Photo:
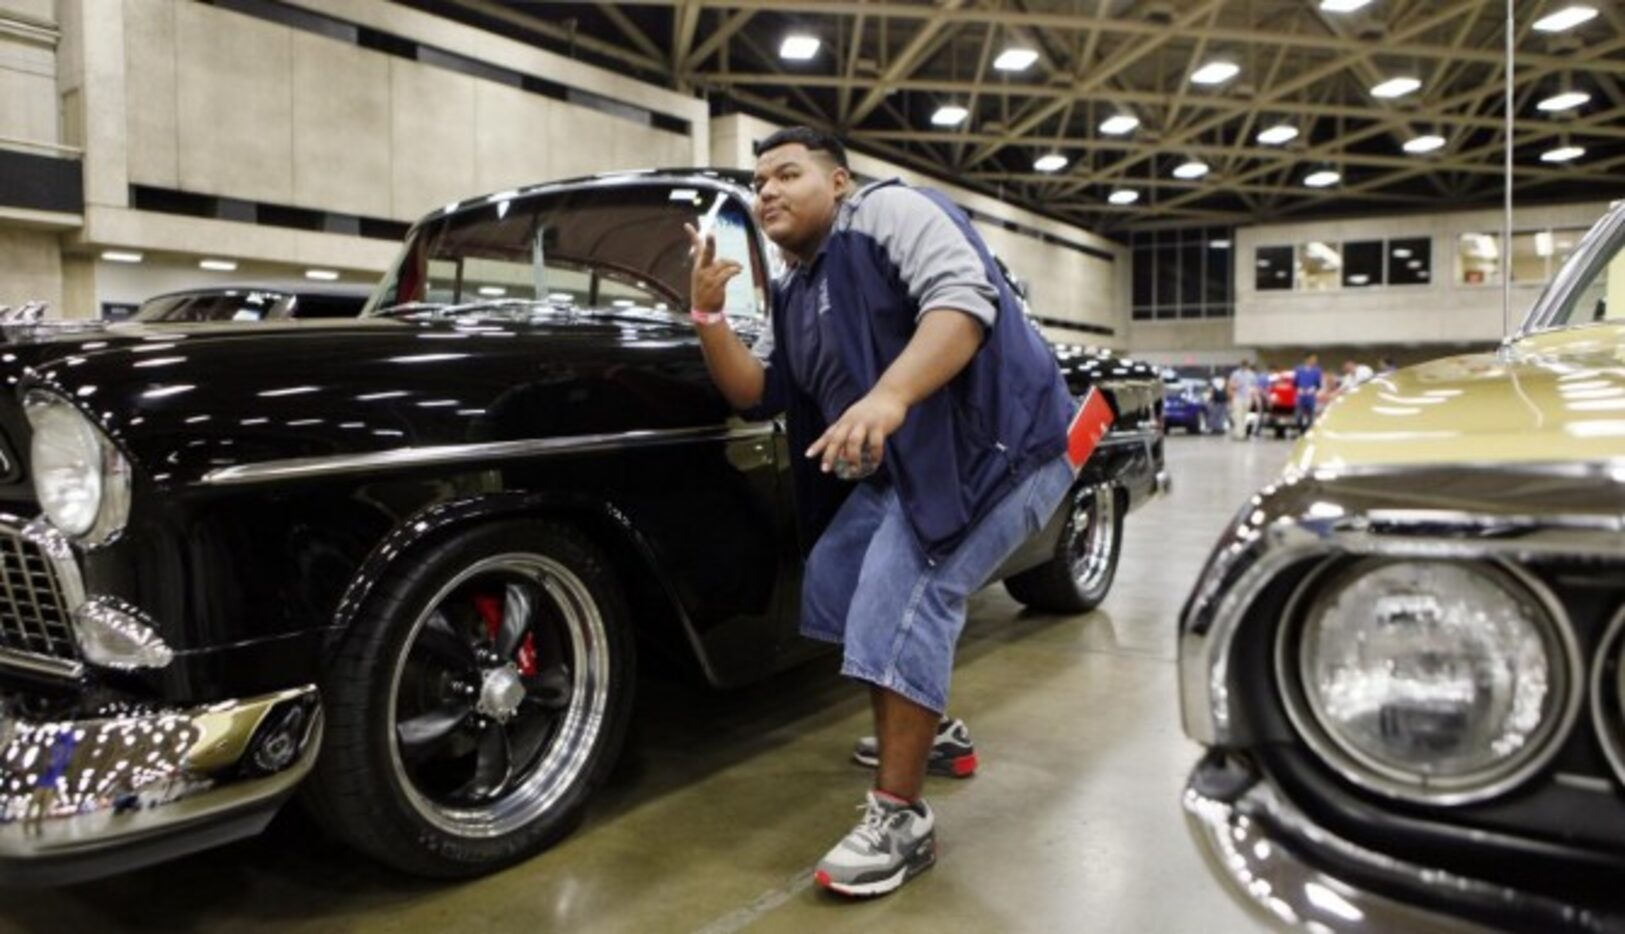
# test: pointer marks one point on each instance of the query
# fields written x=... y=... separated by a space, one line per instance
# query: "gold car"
x=1404 y=656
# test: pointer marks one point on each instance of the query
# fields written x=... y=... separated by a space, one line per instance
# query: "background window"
x=1319 y=266
x=1478 y=258
x=1410 y=261
x=1362 y=264
x=1273 y=265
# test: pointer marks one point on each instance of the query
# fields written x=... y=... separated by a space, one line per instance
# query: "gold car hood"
x=1558 y=396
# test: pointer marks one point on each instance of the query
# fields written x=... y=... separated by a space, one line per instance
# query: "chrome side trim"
x=1277 y=882
x=298 y=468
x=1410 y=512
x=126 y=775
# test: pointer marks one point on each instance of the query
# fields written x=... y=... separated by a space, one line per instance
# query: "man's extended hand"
x=861 y=432
x=709 y=285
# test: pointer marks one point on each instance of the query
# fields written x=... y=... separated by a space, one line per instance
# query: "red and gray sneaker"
x=894 y=842
x=952 y=753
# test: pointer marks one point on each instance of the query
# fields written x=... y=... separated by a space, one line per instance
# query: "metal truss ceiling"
x=885 y=67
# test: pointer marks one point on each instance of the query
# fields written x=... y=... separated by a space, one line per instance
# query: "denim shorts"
x=869 y=587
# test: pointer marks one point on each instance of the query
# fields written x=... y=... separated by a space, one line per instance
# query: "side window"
x=729 y=220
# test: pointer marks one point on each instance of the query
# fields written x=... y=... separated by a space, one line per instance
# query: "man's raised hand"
x=709 y=285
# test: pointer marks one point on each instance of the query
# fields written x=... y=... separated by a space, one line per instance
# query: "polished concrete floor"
x=724 y=801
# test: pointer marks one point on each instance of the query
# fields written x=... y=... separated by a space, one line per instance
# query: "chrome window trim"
x=1276 y=530
x=1354 y=768
x=1586 y=255
x=298 y=468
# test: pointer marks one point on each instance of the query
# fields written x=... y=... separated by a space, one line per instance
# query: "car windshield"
x=229 y=305
x=1599 y=294
x=619 y=247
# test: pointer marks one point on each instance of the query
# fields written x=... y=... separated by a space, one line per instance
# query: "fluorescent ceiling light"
x=799 y=48
x=122 y=256
x=1322 y=179
x=1215 y=73
x=949 y=115
x=1402 y=252
x=324 y=275
x=1560 y=154
x=1543 y=243
x=1054 y=162
x=1396 y=87
x=1015 y=60
x=217 y=265
x=1120 y=124
x=1123 y=196
x=1564 y=101
x=1191 y=169
x=1423 y=144
x=1218 y=244
x=493 y=291
x=1566 y=18
x=1278 y=134
x=1343 y=6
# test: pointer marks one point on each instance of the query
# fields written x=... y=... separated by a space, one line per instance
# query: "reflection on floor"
x=724 y=801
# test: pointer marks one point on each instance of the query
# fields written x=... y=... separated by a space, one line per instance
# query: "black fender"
x=601 y=519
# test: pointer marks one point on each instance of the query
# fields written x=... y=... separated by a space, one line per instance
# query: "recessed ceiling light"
x=1120 y=124
x=1566 y=18
x=1422 y=144
x=1278 y=134
x=1015 y=60
x=1343 y=6
x=949 y=115
x=799 y=48
x=217 y=265
x=1123 y=196
x=1567 y=100
x=122 y=256
x=324 y=275
x=1396 y=87
x=1191 y=169
x=1560 y=154
x=1215 y=73
x=1054 y=162
x=1322 y=179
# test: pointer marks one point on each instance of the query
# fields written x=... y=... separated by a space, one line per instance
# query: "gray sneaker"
x=892 y=844
x=953 y=755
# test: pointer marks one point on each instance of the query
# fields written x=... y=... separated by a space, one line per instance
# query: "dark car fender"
x=633 y=554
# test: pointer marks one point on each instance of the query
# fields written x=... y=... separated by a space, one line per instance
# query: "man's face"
x=796 y=195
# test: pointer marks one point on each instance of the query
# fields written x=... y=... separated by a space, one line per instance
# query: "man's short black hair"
x=814 y=140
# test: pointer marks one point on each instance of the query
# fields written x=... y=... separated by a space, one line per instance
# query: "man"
x=932 y=419
x=1307 y=379
x=1353 y=375
x=1243 y=385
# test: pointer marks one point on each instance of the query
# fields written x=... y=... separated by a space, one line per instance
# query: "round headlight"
x=81 y=478
x=1436 y=681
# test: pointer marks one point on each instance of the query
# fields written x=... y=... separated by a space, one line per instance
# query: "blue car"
x=1185 y=405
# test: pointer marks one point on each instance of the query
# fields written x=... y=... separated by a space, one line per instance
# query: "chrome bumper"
x=85 y=797
x=1257 y=844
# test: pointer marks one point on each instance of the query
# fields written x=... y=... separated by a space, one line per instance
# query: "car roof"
x=303 y=290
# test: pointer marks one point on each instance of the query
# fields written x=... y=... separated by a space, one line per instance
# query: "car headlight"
x=80 y=476
x=1434 y=681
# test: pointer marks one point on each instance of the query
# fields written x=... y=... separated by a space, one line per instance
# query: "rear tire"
x=477 y=701
x=1079 y=575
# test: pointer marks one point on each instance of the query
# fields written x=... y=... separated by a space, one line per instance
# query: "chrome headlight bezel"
x=112 y=480
x=1564 y=662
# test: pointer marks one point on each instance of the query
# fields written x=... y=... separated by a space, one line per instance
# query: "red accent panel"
x=489 y=606
x=965 y=766
x=1088 y=427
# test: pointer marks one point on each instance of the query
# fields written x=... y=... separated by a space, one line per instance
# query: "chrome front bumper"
x=122 y=788
x=1269 y=854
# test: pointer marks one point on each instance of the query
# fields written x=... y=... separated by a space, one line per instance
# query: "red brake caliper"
x=489 y=606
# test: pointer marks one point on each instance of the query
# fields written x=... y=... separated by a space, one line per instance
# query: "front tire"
x=476 y=702
x=1080 y=573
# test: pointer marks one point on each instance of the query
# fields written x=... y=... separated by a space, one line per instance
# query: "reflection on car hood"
x=1552 y=397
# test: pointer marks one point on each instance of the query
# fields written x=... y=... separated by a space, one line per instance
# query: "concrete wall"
x=28 y=49
x=1440 y=312
x=30 y=266
x=1063 y=283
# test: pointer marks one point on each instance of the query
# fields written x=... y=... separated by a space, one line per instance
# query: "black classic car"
x=406 y=564
x=1406 y=656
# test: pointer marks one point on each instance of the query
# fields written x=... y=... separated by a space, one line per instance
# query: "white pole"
x=1506 y=221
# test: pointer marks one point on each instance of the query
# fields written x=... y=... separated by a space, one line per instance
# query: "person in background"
x=1243 y=390
x=1308 y=380
x=1385 y=366
x=1354 y=374
x=1218 y=405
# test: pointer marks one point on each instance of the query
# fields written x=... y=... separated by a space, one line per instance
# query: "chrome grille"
x=34 y=620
